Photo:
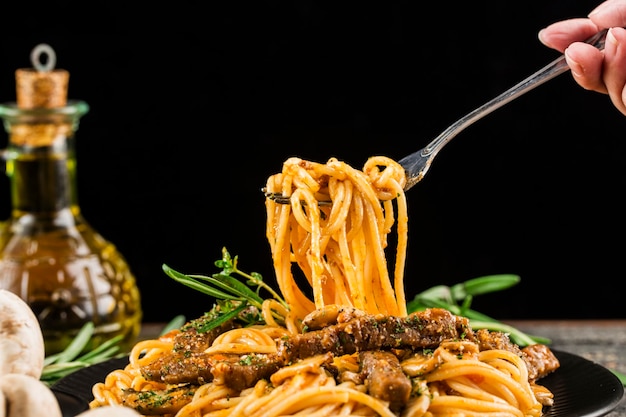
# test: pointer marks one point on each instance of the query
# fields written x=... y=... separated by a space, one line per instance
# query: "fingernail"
x=574 y=66
x=540 y=36
x=610 y=37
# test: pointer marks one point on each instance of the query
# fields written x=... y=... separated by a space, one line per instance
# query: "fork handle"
x=556 y=67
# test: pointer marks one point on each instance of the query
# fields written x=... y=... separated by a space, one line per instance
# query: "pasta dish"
x=341 y=342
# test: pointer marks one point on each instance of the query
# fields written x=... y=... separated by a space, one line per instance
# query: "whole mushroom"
x=22 y=349
x=26 y=396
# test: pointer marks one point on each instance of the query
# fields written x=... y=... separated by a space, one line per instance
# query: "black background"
x=194 y=104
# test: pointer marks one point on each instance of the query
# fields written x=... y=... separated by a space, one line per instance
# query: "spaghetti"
x=340 y=247
x=346 y=345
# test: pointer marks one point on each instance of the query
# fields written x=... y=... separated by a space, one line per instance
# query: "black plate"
x=581 y=387
x=74 y=391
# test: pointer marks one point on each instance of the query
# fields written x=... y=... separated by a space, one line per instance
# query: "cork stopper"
x=42 y=86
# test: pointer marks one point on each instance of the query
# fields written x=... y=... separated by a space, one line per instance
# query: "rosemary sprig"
x=70 y=360
x=234 y=291
x=458 y=299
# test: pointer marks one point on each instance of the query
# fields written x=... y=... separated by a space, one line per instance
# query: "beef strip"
x=158 y=402
x=540 y=360
x=193 y=340
x=180 y=368
x=488 y=340
x=187 y=363
x=384 y=378
x=243 y=371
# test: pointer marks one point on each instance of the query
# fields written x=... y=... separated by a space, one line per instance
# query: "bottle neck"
x=43 y=180
x=41 y=161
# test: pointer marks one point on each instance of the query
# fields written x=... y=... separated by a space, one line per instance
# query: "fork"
x=416 y=165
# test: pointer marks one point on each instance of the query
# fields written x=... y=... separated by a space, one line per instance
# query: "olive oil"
x=50 y=255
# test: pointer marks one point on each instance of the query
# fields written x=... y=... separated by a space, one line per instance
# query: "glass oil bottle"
x=49 y=254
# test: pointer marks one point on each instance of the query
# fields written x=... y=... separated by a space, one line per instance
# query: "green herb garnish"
x=235 y=293
x=458 y=298
x=74 y=356
x=71 y=359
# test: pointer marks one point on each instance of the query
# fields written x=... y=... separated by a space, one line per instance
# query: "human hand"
x=595 y=70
